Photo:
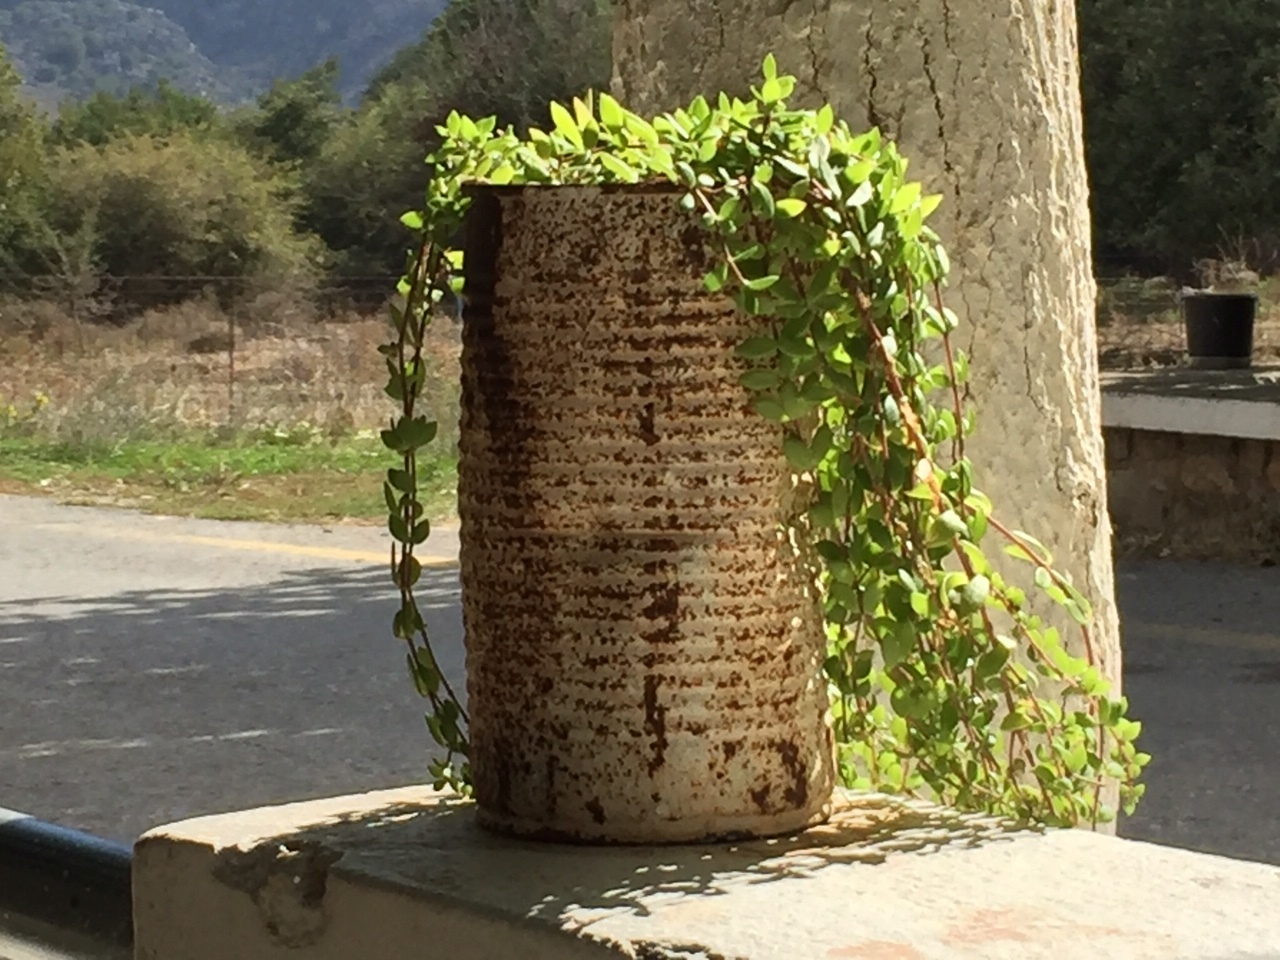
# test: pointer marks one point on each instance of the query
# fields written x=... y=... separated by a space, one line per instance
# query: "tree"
x=171 y=215
x=370 y=165
x=1182 y=111
x=295 y=118
x=19 y=130
x=983 y=96
x=158 y=112
x=21 y=168
x=505 y=58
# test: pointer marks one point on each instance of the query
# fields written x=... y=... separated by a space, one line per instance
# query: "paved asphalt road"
x=153 y=669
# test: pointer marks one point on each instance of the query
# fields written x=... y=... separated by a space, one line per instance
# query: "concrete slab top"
x=1259 y=384
x=1218 y=403
x=887 y=880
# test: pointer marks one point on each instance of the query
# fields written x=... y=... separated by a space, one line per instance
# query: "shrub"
x=170 y=216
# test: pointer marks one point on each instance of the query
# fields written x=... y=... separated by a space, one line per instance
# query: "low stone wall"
x=1194 y=495
x=407 y=874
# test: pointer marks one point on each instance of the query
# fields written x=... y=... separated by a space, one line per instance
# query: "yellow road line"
x=1267 y=642
x=1177 y=633
x=298 y=550
x=429 y=562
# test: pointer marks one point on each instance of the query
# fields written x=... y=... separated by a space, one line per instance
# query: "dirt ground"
x=1140 y=324
x=177 y=368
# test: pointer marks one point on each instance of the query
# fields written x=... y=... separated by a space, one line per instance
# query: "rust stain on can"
x=644 y=648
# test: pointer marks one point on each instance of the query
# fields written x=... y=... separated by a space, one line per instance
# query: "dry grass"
x=163 y=414
x=1139 y=324
x=105 y=408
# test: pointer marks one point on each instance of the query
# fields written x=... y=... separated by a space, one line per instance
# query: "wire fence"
x=131 y=292
x=210 y=354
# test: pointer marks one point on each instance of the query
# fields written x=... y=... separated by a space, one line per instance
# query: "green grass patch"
x=250 y=475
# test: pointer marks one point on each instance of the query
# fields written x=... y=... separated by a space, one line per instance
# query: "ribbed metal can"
x=644 y=643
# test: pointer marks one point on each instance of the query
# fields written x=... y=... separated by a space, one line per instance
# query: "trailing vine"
x=943 y=681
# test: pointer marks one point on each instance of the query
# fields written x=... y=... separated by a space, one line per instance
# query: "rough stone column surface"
x=983 y=98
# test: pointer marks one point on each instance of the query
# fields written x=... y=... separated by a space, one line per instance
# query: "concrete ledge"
x=1244 y=404
x=407 y=874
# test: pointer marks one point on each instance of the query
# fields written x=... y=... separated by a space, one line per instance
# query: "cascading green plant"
x=943 y=682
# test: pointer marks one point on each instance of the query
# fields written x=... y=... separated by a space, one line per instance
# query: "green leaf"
x=770 y=408
x=861 y=196
x=643 y=130
x=1015 y=720
x=799 y=347
x=729 y=209
x=825 y=120
x=791 y=207
x=503 y=174
x=976 y=592
x=409 y=572
x=822 y=515
x=905 y=197
x=611 y=114
x=417 y=433
x=1076 y=612
x=399 y=529
x=762 y=198
x=762 y=283
x=793 y=167
x=909 y=705
x=897 y=645
x=424 y=668
x=757 y=348
x=760 y=379
x=618 y=168
x=797 y=452
x=796 y=407
x=990 y=664
x=952 y=521
x=419 y=678
x=770 y=67
x=566 y=125
x=1076 y=758
x=413 y=220
x=1044 y=556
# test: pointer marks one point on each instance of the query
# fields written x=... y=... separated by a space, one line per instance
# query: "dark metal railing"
x=53 y=878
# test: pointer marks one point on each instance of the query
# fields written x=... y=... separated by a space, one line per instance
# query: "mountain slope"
x=63 y=48
x=227 y=49
x=272 y=38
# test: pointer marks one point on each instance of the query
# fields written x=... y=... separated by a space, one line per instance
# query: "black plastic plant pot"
x=1219 y=329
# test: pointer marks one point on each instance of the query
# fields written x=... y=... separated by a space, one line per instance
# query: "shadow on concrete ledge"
x=887 y=878
x=866 y=828
x=1260 y=384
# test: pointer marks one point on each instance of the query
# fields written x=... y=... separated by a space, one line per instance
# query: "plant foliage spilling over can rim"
x=944 y=683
